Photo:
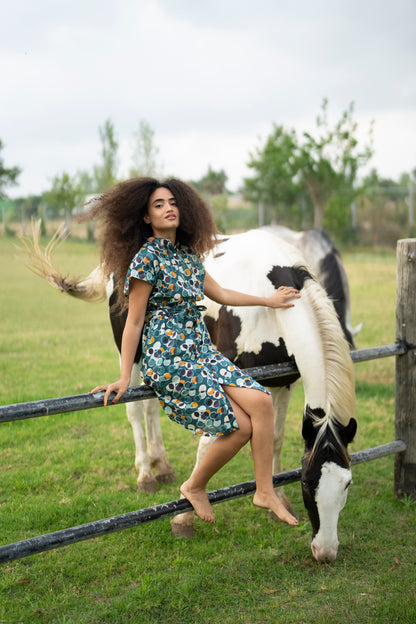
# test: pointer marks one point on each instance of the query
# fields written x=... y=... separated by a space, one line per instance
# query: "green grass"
x=64 y=470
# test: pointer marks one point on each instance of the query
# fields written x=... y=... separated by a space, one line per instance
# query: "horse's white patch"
x=330 y=497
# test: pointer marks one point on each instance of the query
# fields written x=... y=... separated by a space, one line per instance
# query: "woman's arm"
x=138 y=298
x=280 y=298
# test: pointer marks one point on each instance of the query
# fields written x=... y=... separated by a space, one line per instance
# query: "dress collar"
x=164 y=242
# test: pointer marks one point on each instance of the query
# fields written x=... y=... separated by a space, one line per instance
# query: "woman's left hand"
x=282 y=297
x=119 y=387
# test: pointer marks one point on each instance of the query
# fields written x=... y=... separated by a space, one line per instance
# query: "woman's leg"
x=218 y=454
x=259 y=406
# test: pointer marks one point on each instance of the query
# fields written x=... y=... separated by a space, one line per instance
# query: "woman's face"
x=162 y=214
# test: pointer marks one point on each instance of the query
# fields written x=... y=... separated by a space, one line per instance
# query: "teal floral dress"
x=179 y=361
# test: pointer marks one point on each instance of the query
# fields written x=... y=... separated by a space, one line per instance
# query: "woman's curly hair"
x=122 y=231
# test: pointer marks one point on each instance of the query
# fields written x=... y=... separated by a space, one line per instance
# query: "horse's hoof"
x=182 y=530
x=147 y=487
x=167 y=477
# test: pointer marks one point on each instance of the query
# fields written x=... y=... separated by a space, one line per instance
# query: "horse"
x=310 y=334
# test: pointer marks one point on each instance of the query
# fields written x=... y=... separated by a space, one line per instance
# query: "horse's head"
x=326 y=475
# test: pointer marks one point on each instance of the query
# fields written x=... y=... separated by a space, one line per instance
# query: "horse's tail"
x=90 y=288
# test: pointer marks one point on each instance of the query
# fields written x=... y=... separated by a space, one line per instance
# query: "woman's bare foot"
x=272 y=502
x=199 y=501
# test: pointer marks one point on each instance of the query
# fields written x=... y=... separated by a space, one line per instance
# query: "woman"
x=166 y=228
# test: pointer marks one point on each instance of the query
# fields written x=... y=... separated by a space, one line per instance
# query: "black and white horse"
x=259 y=261
x=311 y=334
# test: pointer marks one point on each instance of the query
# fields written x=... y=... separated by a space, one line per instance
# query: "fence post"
x=405 y=421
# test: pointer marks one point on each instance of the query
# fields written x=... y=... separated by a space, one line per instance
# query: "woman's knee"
x=265 y=402
x=244 y=423
x=245 y=429
x=251 y=401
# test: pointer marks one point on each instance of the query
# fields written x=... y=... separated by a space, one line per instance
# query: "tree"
x=145 y=152
x=105 y=174
x=26 y=208
x=85 y=181
x=64 y=196
x=276 y=165
x=212 y=183
x=387 y=207
x=8 y=176
x=212 y=187
x=330 y=162
x=324 y=167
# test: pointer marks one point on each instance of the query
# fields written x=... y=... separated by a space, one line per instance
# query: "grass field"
x=64 y=470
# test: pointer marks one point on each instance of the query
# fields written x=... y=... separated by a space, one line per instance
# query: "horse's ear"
x=308 y=431
x=347 y=433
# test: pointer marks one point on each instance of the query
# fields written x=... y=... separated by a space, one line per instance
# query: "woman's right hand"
x=139 y=295
x=119 y=387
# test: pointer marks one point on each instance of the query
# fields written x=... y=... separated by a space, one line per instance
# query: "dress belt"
x=194 y=309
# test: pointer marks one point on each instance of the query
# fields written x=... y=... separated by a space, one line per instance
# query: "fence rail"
x=57 y=539
x=62 y=405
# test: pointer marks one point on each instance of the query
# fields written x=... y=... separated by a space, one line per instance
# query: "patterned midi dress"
x=179 y=362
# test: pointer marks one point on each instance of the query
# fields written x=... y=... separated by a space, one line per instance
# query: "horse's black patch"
x=309 y=485
x=224 y=332
x=289 y=276
x=332 y=281
x=309 y=431
x=269 y=354
x=332 y=445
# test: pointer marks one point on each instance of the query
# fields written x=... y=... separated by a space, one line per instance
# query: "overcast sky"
x=209 y=76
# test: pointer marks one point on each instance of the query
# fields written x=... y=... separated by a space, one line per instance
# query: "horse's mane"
x=339 y=370
x=339 y=376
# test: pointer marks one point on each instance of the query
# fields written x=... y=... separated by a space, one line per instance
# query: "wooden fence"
x=404 y=446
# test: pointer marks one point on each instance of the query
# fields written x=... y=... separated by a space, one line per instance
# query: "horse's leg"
x=281 y=400
x=183 y=524
x=146 y=481
x=163 y=470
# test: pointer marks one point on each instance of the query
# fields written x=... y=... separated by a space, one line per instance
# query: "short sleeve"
x=144 y=266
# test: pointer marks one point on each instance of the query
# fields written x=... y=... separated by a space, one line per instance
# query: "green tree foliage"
x=212 y=183
x=85 y=182
x=386 y=210
x=276 y=181
x=8 y=175
x=145 y=152
x=329 y=163
x=26 y=208
x=276 y=165
x=323 y=166
x=407 y=179
x=64 y=195
x=105 y=174
x=212 y=187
